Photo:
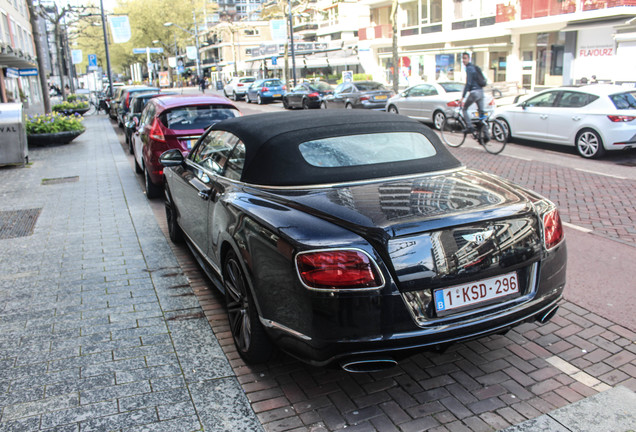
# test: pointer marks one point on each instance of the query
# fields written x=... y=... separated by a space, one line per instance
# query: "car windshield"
x=367 y=86
x=367 y=149
x=452 y=87
x=197 y=117
x=625 y=100
x=246 y=80
x=320 y=86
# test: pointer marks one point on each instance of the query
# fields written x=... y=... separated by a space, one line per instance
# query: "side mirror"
x=403 y=94
x=171 y=158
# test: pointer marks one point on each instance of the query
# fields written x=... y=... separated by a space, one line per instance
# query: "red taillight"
x=454 y=103
x=620 y=118
x=127 y=101
x=239 y=85
x=492 y=102
x=264 y=89
x=338 y=269
x=314 y=94
x=363 y=98
x=284 y=87
x=156 y=133
x=552 y=229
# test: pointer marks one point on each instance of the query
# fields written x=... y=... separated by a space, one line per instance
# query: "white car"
x=237 y=87
x=594 y=118
x=432 y=102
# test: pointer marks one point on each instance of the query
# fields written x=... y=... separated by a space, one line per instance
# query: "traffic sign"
x=92 y=62
x=274 y=61
x=152 y=50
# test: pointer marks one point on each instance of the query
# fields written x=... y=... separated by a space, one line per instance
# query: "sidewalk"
x=104 y=325
x=99 y=328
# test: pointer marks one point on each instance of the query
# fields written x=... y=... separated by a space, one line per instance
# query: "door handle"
x=576 y=118
x=544 y=116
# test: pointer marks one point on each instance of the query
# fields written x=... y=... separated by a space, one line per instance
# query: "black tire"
x=305 y=104
x=589 y=144
x=259 y=99
x=235 y=97
x=498 y=137
x=438 y=118
x=138 y=169
x=248 y=333
x=286 y=103
x=393 y=109
x=174 y=230
x=225 y=94
x=348 y=106
x=323 y=105
x=452 y=132
x=152 y=190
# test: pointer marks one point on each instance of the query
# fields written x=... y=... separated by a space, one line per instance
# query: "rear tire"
x=248 y=333
x=589 y=144
x=498 y=137
x=152 y=190
x=323 y=105
x=438 y=119
x=452 y=132
x=305 y=104
x=348 y=106
x=235 y=97
x=138 y=169
x=393 y=109
x=259 y=100
x=286 y=103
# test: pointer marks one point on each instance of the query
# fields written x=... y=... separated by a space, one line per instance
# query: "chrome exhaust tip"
x=548 y=315
x=367 y=365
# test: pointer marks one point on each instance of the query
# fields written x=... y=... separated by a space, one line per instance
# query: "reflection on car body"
x=356 y=238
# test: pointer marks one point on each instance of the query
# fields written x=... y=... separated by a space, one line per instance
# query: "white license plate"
x=469 y=294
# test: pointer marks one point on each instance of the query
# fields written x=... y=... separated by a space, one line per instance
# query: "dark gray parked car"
x=358 y=94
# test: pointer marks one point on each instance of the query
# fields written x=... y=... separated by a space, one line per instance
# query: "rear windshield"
x=272 y=83
x=625 y=100
x=452 y=87
x=367 y=86
x=244 y=80
x=368 y=149
x=197 y=117
x=320 y=86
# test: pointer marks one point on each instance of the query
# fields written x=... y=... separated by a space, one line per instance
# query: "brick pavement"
x=97 y=320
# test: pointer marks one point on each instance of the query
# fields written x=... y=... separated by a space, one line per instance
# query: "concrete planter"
x=53 y=138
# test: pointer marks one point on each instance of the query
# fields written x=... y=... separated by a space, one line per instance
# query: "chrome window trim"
x=340 y=290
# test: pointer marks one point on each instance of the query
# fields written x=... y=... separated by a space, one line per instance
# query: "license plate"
x=383 y=97
x=276 y=95
x=189 y=143
x=469 y=294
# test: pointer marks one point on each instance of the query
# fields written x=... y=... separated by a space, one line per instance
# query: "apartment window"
x=410 y=9
x=251 y=32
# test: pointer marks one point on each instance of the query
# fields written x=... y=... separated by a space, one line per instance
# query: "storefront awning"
x=11 y=58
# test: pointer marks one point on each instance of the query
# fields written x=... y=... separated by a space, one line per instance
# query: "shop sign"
x=29 y=72
x=12 y=73
x=602 y=51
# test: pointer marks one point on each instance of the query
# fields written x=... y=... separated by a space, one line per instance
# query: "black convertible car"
x=357 y=238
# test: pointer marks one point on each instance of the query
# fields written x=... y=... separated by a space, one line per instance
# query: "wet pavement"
x=106 y=325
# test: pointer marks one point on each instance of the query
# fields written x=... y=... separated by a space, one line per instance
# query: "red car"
x=174 y=122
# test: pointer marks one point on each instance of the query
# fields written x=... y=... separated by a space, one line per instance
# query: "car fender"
x=588 y=124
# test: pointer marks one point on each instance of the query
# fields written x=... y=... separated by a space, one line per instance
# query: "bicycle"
x=491 y=133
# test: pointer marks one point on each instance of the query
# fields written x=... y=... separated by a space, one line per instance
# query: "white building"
x=537 y=43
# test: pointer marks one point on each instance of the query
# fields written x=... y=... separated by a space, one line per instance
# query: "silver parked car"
x=431 y=102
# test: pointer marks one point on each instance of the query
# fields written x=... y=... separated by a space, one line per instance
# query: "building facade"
x=535 y=43
x=18 y=76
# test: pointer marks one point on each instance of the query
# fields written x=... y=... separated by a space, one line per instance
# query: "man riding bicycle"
x=474 y=89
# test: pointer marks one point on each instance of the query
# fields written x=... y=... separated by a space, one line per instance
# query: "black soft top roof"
x=273 y=157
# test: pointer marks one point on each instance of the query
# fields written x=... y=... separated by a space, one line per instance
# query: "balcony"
x=375 y=32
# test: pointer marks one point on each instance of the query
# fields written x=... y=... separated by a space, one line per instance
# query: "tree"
x=40 y=57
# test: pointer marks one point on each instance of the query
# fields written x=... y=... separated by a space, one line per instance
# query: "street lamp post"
x=291 y=32
x=110 y=76
x=194 y=33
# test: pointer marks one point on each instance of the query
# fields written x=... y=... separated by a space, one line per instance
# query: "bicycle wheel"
x=498 y=137
x=453 y=132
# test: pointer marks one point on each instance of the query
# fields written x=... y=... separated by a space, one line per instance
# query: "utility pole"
x=291 y=33
x=110 y=77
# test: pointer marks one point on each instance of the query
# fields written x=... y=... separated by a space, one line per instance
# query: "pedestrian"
x=593 y=80
x=473 y=91
x=202 y=84
x=584 y=80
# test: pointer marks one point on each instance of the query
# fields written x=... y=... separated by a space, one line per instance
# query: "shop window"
x=556 y=65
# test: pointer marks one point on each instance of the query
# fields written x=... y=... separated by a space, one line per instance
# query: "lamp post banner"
x=120 y=28
x=191 y=52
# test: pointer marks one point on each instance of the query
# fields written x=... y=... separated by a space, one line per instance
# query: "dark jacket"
x=471 y=81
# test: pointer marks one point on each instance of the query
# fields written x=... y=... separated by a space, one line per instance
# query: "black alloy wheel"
x=249 y=335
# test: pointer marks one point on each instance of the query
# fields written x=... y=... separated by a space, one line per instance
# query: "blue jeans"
x=473 y=96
